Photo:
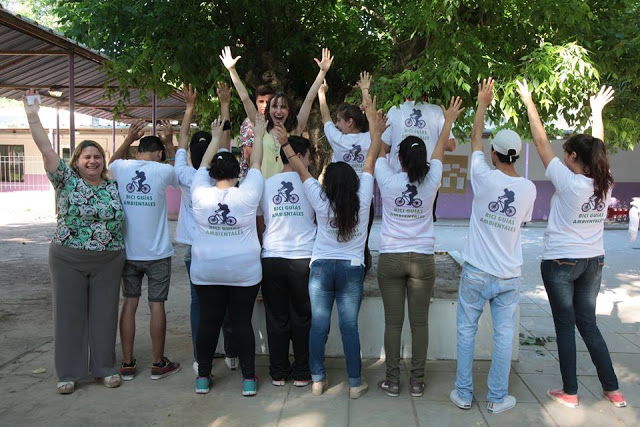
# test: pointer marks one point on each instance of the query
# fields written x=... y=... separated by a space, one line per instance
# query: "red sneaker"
x=568 y=400
x=616 y=397
x=166 y=368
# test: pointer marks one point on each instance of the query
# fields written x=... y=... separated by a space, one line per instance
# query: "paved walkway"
x=29 y=398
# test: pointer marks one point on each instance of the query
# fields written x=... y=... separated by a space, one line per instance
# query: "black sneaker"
x=391 y=388
x=163 y=369
x=416 y=387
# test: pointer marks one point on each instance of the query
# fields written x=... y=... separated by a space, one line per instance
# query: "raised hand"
x=602 y=98
x=189 y=94
x=260 y=126
x=324 y=64
x=524 y=92
x=136 y=130
x=165 y=131
x=228 y=60
x=485 y=92
x=365 y=81
x=35 y=107
x=224 y=93
x=324 y=88
x=216 y=129
x=280 y=134
x=381 y=121
x=454 y=110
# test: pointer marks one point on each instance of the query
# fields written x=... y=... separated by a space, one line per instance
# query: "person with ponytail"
x=225 y=266
x=349 y=139
x=406 y=266
x=337 y=263
x=573 y=254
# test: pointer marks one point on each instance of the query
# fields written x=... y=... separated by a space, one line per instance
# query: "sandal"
x=112 y=381
x=66 y=387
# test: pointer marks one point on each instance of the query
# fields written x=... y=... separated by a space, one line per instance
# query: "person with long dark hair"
x=406 y=267
x=225 y=259
x=573 y=254
x=280 y=112
x=337 y=263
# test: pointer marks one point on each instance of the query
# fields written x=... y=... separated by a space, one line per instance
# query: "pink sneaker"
x=616 y=397
x=568 y=400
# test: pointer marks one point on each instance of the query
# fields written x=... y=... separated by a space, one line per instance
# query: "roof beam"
x=33 y=53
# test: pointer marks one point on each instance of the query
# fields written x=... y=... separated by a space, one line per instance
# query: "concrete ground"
x=29 y=397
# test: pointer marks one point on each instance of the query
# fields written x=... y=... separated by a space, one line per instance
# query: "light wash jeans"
x=335 y=280
x=477 y=287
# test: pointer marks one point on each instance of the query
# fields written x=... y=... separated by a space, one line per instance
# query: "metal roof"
x=36 y=57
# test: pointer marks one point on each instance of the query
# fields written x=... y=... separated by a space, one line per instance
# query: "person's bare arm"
x=224 y=95
x=165 y=133
x=230 y=63
x=190 y=95
x=538 y=133
x=377 y=125
x=136 y=131
x=485 y=97
x=214 y=145
x=450 y=116
x=598 y=103
x=39 y=135
x=322 y=99
x=305 y=109
x=259 y=129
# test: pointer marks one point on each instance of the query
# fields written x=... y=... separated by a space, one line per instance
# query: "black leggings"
x=214 y=303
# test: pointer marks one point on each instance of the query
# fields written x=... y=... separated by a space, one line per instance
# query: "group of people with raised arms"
x=266 y=222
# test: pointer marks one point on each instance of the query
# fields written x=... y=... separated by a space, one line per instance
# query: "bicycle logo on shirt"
x=285 y=194
x=503 y=203
x=221 y=216
x=414 y=120
x=138 y=186
x=593 y=204
x=409 y=197
x=354 y=155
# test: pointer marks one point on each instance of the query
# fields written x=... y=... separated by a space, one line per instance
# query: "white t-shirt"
x=290 y=227
x=142 y=186
x=326 y=245
x=226 y=250
x=407 y=219
x=351 y=148
x=501 y=203
x=422 y=120
x=576 y=219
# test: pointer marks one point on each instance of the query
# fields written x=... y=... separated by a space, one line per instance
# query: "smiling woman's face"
x=279 y=111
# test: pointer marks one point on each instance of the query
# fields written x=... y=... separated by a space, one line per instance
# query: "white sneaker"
x=232 y=362
x=278 y=383
x=195 y=367
x=459 y=402
x=508 y=403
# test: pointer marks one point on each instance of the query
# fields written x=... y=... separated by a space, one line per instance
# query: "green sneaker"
x=203 y=384
x=250 y=386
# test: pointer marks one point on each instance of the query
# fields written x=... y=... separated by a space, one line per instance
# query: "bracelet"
x=293 y=155
x=285 y=144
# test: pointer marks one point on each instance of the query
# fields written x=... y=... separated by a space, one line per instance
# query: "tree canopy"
x=414 y=48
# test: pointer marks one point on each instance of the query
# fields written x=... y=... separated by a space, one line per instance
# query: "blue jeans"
x=194 y=314
x=572 y=286
x=329 y=280
x=477 y=287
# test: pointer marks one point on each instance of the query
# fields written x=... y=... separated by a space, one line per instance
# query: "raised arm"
x=165 y=133
x=230 y=63
x=136 y=131
x=212 y=149
x=259 y=129
x=485 y=96
x=450 y=116
x=190 y=95
x=364 y=83
x=377 y=125
x=39 y=135
x=538 y=133
x=598 y=103
x=322 y=98
x=224 y=95
x=305 y=109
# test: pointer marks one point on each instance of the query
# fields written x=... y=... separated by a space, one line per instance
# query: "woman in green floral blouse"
x=86 y=257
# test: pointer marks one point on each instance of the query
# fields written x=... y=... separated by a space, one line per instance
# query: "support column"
x=72 y=106
x=154 y=115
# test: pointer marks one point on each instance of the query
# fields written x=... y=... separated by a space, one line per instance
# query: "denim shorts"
x=158 y=275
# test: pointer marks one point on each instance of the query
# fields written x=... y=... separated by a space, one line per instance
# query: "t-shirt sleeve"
x=384 y=173
x=182 y=168
x=479 y=169
x=115 y=166
x=246 y=133
x=252 y=187
x=365 y=192
x=334 y=136
x=387 y=135
x=201 y=182
x=435 y=174
x=559 y=174
x=171 y=177
x=315 y=194
x=532 y=194
x=62 y=172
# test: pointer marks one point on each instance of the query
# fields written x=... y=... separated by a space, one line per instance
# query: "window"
x=12 y=163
